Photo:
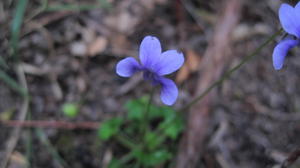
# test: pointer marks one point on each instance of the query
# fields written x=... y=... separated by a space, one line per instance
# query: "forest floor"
x=70 y=56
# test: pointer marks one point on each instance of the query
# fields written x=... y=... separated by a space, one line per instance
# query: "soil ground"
x=70 y=56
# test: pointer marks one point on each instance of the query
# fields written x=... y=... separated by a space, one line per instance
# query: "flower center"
x=151 y=76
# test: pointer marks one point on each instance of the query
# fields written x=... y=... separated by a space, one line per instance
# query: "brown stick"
x=215 y=57
x=51 y=124
x=291 y=158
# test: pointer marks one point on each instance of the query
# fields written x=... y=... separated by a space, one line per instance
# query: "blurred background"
x=64 y=53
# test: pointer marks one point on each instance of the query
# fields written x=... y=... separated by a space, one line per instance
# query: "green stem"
x=41 y=9
x=145 y=121
x=3 y=63
x=51 y=149
x=16 y=27
x=127 y=158
x=228 y=73
x=126 y=142
x=13 y=84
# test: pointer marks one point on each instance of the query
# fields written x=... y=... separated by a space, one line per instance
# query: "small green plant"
x=145 y=147
x=110 y=128
x=70 y=109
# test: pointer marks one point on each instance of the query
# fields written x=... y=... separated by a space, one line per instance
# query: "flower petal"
x=150 y=50
x=297 y=7
x=127 y=67
x=281 y=50
x=289 y=19
x=169 y=91
x=169 y=62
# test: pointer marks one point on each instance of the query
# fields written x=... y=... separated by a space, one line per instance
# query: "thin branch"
x=215 y=58
x=293 y=157
x=51 y=124
x=229 y=73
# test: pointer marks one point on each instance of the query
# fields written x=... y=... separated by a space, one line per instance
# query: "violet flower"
x=290 y=20
x=154 y=64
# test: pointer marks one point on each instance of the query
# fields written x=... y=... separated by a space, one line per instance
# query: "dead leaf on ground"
x=97 y=46
x=120 y=44
x=193 y=60
x=122 y=22
x=182 y=74
x=17 y=160
x=191 y=65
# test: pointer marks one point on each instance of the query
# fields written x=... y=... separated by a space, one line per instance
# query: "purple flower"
x=290 y=20
x=154 y=64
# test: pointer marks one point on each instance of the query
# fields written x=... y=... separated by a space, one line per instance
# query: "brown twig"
x=44 y=21
x=291 y=158
x=216 y=56
x=51 y=124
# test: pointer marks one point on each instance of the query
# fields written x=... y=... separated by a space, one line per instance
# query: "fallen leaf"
x=17 y=160
x=191 y=65
x=122 y=22
x=193 y=60
x=97 y=46
x=182 y=74
x=120 y=44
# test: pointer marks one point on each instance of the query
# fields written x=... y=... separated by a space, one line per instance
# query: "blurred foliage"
x=16 y=27
x=152 y=158
x=110 y=128
x=146 y=149
x=70 y=109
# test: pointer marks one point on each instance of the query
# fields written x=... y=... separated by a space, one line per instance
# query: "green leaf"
x=13 y=84
x=153 y=158
x=172 y=125
x=167 y=112
x=170 y=122
x=132 y=128
x=109 y=128
x=138 y=154
x=3 y=63
x=135 y=109
x=152 y=140
x=16 y=25
x=114 y=163
x=159 y=157
x=70 y=109
x=174 y=129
